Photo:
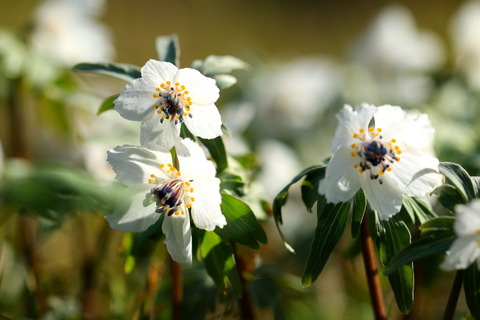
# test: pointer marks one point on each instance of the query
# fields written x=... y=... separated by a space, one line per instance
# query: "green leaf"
x=217 y=151
x=438 y=225
x=396 y=237
x=120 y=71
x=449 y=196
x=281 y=199
x=242 y=225
x=358 y=210
x=222 y=64
x=332 y=219
x=418 y=209
x=459 y=178
x=309 y=187
x=220 y=263
x=471 y=286
x=224 y=81
x=168 y=49
x=436 y=237
x=107 y=104
x=476 y=185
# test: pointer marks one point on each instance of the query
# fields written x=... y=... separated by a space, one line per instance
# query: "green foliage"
x=471 y=286
x=120 y=71
x=168 y=49
x=107 y=104
x=332 y=219
x=242 y=226
x=218 y=68
x=281 y=199
x=220 y=263
x=358 y=210
x=418 y=209
x=460 y=179
x=217 y=151
x=396 y=237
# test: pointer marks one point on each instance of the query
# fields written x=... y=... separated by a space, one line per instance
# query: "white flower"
x=166 y=96
x=156 y=187
x=385 y=151
x=466 y=248
x=67 y=31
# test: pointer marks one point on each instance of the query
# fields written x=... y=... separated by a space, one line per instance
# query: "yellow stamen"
x=355 y=135
x=379 y=129
x=393 y=140
x=370 y=129
x=353 y=154
x=355 y=165
x=389 y=169
x=353 y=145
x=361 y=131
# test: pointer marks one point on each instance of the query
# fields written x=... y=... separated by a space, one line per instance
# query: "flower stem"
x=177 y=292
x=454 y=294
x=246 y=306
x=371 y=270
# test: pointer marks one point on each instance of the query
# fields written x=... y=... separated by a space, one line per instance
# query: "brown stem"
x=371 y=270
x=177 y=290
x=454 y=294
x=246 y=306
x=17 y=125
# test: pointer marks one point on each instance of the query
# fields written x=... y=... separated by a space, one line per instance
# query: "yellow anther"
x=353 y=153
x=393 y=140
x=189 y=206
x=389 y=169
x=168 y=83
x=353 y=145
x=399 y=151
x=186 y=92
x=192 y=199
x=189 y=102
x=169 y=165
x=185 y=114
x=159 y=111
x=187 y=183
x=370 y=129
x=355 y=165
x=183 y=212
x=379 y=129
x=396 y=147
x=361 y=131
x=152 y=176
x=398 y=159
x=177 y=84
x=162 y=166
x=157 y=89
x=355 y=135
x=177 y=213
x=150 y=181
x=360 y=170
x=381 y=173
x=156 y=95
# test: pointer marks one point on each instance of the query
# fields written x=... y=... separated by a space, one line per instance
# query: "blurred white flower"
x=465 y=250
x=385 y=151
x=294 y=95
x=398 y=55
x=156 y=187
x=165 y=97
x=68 y=33
x=465 y=33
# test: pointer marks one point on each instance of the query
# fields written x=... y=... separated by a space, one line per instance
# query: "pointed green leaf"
x=168 y=49
x=437 y=237
x=120 y=71
x=476 y=186
x=309 y=187
x=107 y=104
x=217 y=151
x=242 y=225
x=396 y=237
x=282 y=197
x=471 y=286
x=358 y=210
x=222 y=64
x=332 y=219
x=459 y=178
x=224 y=81
x=220 y=263
x=418 y=209
x=449 y=196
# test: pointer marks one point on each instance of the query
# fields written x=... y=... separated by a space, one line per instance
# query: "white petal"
x=159 y=136
x=206 y=213
x=467 y=221
x=341 y=180
x=134 y=165
x=178 y=237
x=136 y=100
x=156 y=72
x=349 y=122
x=202 y=89
x=206 y=121
x=134 y=210
x=384 y=198
x=462 y=253
x=416 y=174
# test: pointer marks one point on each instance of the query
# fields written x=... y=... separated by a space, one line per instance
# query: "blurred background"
x=58 y=257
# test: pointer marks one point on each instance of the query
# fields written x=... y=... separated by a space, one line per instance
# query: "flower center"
x=173 y=102
x=171 y=195
x=376 y=155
